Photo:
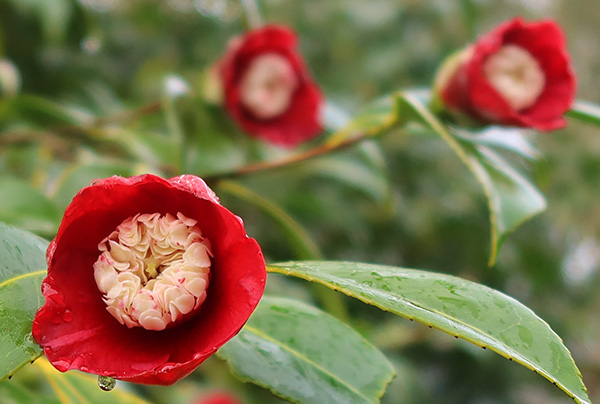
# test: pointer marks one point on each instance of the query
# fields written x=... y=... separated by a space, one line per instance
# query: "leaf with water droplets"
x=22 y=268
x=307 y=356
x=461 y=308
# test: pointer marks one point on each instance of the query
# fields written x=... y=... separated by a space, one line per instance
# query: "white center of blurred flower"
x=268 y=85
x=516 y=75
x=153 y=270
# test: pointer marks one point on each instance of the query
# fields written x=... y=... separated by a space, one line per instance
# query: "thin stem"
x=176 y=130
x=253 y=17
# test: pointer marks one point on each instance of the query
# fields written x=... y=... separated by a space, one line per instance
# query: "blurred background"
x=94 y=88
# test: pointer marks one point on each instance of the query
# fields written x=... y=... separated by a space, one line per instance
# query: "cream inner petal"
x=153 y=270
x=516 y=75
x=268 y=85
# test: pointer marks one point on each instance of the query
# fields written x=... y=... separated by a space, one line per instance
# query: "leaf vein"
x=308 y=360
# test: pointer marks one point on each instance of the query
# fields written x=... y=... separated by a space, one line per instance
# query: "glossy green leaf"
x=498 y=137
x=512 y=199
x=75 y=387
x=586 y=112
x=26 y=207
x=22 y=268
x=456 y=306
x=307 y=356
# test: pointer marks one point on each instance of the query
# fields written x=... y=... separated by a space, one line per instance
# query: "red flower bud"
x=268 y=89
x=147 y=278
x=518 y=74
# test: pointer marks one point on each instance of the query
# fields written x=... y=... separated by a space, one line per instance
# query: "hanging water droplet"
x=67 y=316
x=106 y=383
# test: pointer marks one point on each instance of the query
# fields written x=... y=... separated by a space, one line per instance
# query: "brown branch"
x=128 y=116
x=290 y=160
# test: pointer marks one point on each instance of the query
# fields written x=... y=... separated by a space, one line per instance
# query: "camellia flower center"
x=153 y=270
x=516 y=75
x=268 y=86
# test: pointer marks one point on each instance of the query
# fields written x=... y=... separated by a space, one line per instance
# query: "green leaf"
x=307 y=356
x=75 y=387
x=26 y=207
x=507 y=138
x=15 y=392
x=456 y=306
x=40 y=110
x=586 y=112
x=374 y=119
x=352 y=173
x=512 y=199
x=22 y=263
x=154 y=149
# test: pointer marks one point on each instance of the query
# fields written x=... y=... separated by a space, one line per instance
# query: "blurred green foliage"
x=96 y=99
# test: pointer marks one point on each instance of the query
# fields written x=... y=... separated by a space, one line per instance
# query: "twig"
x=290 y=160
x=128 y=116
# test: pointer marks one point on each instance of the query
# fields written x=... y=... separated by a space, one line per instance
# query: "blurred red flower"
x=518 y=74
x=268 y=89
x=219 y=397
x=147 y=278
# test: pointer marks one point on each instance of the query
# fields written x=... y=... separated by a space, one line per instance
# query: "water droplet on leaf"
x=106 y=383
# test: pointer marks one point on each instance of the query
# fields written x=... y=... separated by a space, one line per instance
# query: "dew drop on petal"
x=106 y=383
x=67 y=316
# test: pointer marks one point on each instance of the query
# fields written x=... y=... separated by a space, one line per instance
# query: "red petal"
x=546 y=42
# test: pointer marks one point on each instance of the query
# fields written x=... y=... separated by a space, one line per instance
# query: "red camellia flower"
x=518 y=74
x=147 y=278
x=268 y=89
